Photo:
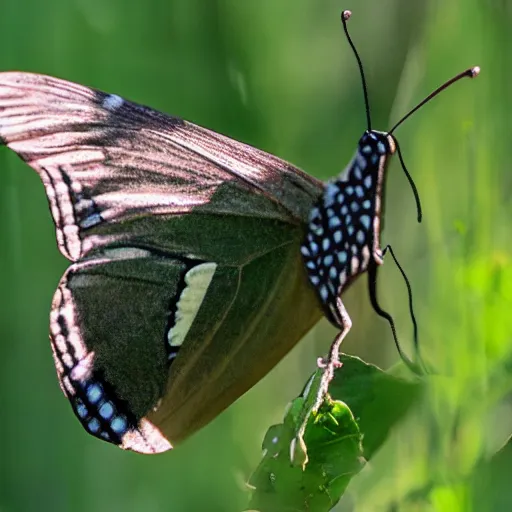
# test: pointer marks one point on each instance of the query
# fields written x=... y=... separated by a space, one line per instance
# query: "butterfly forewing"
x=187 y=251
x=104 y=160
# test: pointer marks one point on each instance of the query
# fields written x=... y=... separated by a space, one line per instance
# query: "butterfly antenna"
x=470 y=73
x=345 y=15
x=411 y=183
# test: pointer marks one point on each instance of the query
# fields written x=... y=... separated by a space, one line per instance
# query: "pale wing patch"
x=197 y=281
x=112 y=102
x=126 y=253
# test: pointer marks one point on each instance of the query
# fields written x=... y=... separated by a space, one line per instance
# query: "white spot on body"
x=197 y=281
x=361 y=161
x=334 y=222
x=365 y=221
x=314 y=214
x=318 y=230
x=330 y=193
x=112 y=102
x=304 y=250
x=324 y=293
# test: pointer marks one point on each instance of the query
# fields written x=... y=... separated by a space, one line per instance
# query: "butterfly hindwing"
x=110 y=352
x=236 y=347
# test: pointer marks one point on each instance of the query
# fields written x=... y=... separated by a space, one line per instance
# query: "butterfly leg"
x=333 y=360
x=298 y=450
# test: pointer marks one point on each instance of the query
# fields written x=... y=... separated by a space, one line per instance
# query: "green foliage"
x=338 y=439
x=280 y=75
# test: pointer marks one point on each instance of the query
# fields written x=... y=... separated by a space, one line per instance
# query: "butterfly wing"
x=186 y=246
x=105 y=160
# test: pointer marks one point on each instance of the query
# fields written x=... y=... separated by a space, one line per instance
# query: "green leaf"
x=377 y=399
x=335 y=455
x=311 y=471
x=490 y=484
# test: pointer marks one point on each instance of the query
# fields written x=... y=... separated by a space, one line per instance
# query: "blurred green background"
x=280 y=75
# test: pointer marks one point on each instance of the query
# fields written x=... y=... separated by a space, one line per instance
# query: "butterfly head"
x=377 y=143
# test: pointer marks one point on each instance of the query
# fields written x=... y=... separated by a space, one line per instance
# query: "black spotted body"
x=344 y=226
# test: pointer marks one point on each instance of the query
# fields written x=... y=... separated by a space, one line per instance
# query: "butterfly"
x=193 y=265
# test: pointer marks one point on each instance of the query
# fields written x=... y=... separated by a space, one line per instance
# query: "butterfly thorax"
x=344 y=227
